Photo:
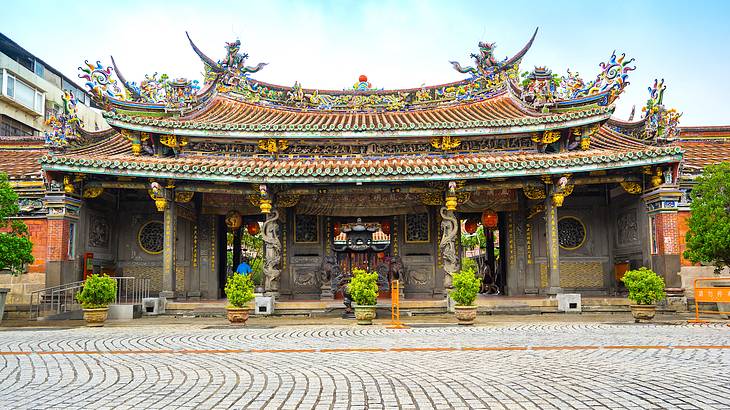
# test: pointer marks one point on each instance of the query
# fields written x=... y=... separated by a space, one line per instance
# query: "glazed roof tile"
x=21 y=163
x=115 y=159
x=224 y=113
x=699 y=154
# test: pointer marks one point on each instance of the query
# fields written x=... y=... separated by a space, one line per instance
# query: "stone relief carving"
x=628 y=228
x=98 y=232
x=447 y=245
x=272 y=254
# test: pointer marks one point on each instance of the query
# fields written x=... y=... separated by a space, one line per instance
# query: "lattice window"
x=417 y=229
x=305 y=229
x=151 y=237
x=571 y=233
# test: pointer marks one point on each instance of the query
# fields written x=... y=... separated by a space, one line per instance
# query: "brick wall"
x=667 y=231
x=58 y=230
x=38 y=229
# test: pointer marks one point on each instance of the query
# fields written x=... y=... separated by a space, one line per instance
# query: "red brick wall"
x=667 y=229
x=58 y=239
x=38 y=229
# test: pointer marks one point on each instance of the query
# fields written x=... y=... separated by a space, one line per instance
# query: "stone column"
x=236 y=248
x=553 y=247
x=168 y=252
x=662 y=205
x=447 y=245
x=272 y=253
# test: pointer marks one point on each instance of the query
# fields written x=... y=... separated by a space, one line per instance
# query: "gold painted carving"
x=184 y=196
x=160 y=201
x=446 y=142
x=287 y=200
x=273 y=146
x=534 y=192
x=432 y=198
x=631 y=187
x=656 y=179
x=547 y=137
x=92 y=192
x=173 y=141
x=68 y=186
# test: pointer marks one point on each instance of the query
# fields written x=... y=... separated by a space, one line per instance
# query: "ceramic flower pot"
x=237 y=316
x=465 y=314
x=364 y=314
x=643 y=312
x=96 y=317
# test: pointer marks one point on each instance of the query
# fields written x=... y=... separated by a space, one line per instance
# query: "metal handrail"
x=62 y=298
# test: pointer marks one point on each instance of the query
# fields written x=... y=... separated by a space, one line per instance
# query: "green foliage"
x=471 y=241
x=708 y=238
x=98 y=292
x=466 y=286
x=469 y=264
x=239 y=290
x=645 y=287
x=15 y=245
x=364 y=287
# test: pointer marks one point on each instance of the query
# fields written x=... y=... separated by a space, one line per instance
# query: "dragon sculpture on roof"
x=486 y=65
x=232 y=69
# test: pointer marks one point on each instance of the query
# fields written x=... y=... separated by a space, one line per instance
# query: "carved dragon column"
x=447 y=245
x=272 y=244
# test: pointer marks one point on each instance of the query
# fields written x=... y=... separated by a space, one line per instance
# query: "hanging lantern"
x=470 y=226
x=233 y=220
x=489 y=219
x=385 y=227
x=253 y=228
x=336 y=229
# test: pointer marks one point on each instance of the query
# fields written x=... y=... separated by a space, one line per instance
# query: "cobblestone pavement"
x=522 y=366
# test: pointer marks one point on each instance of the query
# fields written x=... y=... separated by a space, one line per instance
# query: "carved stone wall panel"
x=420 y=273
x=627 y=228
x=99 y=231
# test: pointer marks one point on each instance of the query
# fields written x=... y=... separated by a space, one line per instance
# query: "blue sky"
x=397 y=44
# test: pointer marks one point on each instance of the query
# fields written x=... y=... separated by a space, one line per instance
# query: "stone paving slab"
x=533 y=366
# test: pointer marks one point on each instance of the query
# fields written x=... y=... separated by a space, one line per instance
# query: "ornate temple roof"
x=113 y=157
x=226 y=116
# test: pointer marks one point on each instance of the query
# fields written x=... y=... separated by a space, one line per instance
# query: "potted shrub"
x=645 y=289
x=465 y=288
x=363 y=289
x=98 y=292
x=239 y=291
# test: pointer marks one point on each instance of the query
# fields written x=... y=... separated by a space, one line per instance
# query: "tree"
x=15 y=244
x=708 y=238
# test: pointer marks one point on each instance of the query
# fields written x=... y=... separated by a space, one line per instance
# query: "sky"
x=397 y=44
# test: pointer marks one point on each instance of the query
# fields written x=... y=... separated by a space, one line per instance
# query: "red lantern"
x=385 y=227
x=470 y=226
x=253 y=228
x=489 y=219
x=336 y=229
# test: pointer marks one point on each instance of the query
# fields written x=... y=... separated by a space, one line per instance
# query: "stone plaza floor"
x=507 y=364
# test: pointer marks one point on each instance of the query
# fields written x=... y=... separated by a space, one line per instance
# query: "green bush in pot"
x=363 y=289
x=645 y=289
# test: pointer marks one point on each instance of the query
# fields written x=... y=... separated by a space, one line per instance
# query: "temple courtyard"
x=563 y=362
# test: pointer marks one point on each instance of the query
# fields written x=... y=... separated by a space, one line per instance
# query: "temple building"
x=386 y=180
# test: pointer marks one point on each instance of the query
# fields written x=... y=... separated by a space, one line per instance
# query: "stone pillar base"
x=554 y=290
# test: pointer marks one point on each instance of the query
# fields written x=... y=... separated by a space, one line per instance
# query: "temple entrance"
x=483 y=240
x=365 y=245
